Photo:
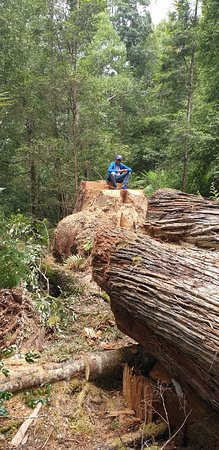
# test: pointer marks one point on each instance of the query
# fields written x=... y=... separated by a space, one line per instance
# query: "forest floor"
x=74 y=414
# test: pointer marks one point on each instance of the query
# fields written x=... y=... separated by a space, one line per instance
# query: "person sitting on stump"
x=118 y=173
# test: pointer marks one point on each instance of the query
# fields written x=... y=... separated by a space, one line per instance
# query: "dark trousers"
x=119 y=178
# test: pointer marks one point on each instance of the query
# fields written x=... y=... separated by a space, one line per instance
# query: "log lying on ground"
x=173 y=215
x=40 y=377
x=166 y=298
x=101 y=364
x=94 y=365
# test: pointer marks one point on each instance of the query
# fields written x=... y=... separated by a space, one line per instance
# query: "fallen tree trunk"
x=166 y=298
x=106 y=363
x=41 y=377
x=94 y=365
x=173 y=215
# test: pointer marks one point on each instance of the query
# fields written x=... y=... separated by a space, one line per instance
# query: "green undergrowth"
x=57 y=314
x=56 y=301
x=9 y=429
x=61 y=279
x=37 y=395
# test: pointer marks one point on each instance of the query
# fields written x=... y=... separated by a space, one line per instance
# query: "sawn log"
x=166 y=298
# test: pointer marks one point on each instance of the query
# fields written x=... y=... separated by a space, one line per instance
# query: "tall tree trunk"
x=33 y=188
x=74 y=129
x=74 y=105
x=189 y=102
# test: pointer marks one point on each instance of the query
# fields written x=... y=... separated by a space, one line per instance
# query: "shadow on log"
x=166 y=298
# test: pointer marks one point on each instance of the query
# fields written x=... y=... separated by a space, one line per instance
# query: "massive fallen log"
x=174 y=216
x=166 y=298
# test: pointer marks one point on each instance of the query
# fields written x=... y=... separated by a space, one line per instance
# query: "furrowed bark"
x=174 y=216
x=166 y=298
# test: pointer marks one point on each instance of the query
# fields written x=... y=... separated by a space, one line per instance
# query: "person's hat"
x=118 y=157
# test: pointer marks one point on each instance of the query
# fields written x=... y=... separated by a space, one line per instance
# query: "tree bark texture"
x=74 y=132
x=166 y=298
x=33 y=188
x=106 y=363
x=175 y=216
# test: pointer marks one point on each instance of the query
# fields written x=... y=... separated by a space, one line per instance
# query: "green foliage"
x=133 y=23
x=88 y=246
x=4 y=369
x=214 y=192
x=12 y=258
x=23 y=244
x=82 y=81
x=153 y=180
x=74 y=261
x=4 y=395
x=3 y=411
x=57 y=313
x=8 y=351
x=31 y=357
x=38 y=395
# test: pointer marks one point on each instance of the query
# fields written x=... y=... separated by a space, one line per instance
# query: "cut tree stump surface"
x=97 y=207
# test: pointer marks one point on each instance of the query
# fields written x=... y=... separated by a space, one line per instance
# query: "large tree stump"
x=166 y=298
x=97 y=206
x=174 y=216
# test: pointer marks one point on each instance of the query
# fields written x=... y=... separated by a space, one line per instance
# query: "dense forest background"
x=82 y=80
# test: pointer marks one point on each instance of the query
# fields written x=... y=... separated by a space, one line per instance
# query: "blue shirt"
x=113 y=167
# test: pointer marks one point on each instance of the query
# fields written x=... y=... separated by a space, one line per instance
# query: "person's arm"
x=111 y=167
x=125 y=168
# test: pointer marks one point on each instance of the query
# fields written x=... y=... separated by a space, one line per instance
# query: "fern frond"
x=73 y=261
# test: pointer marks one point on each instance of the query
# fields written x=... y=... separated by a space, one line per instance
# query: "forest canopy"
x=83 y=80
